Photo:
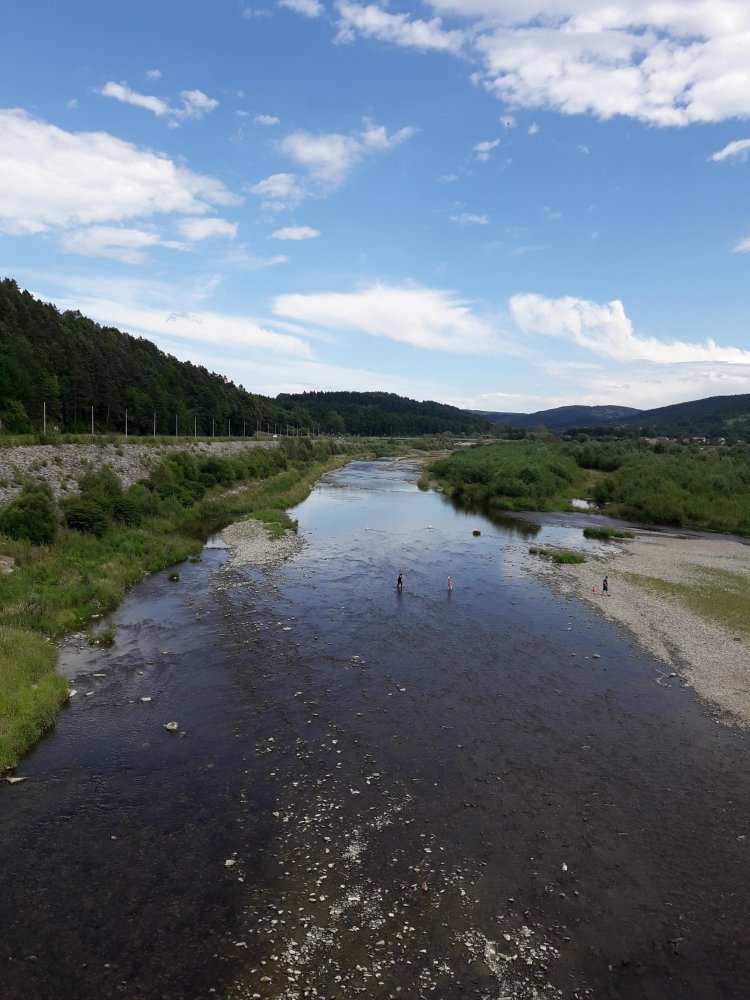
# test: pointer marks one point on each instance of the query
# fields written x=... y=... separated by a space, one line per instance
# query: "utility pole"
x=175 y=425
x=213 y=426
x=229 y=426
x=195 y=427
x=44 y=417
x=92 y=421
x=154 y=425
x=126 y=423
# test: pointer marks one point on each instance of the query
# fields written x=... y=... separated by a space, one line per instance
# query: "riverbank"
x=685 y=600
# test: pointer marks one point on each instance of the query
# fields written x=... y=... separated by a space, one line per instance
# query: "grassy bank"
x=718 y=597
x=117 y=538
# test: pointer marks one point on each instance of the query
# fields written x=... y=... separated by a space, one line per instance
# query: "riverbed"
x=370 y=792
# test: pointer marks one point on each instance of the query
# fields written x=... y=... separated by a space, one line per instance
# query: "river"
x=429 y=793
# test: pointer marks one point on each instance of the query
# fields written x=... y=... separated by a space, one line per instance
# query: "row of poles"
x=277 y=428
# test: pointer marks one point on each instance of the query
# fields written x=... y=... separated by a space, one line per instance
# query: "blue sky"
x=500 y=204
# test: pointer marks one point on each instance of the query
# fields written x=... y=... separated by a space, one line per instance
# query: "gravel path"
x=707 y=657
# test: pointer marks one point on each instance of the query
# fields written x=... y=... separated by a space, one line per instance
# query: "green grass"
x=717 y=596
x=31 y=693
x=561 y=556
x=605 y=534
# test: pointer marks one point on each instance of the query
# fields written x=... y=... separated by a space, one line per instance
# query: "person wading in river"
x=400 y=582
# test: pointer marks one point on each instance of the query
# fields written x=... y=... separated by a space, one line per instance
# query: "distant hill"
x=716 y=416
x=562 y=418
x=381 y=414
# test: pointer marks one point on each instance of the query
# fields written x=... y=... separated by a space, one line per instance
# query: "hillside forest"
x=60 y=370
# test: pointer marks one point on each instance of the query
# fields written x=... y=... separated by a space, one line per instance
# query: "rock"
x=171 y=727
x=14 y=779
x=146 y=698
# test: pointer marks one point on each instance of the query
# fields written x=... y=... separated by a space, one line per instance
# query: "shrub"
x=126 y=511
x=88 y=516
x=31 y=516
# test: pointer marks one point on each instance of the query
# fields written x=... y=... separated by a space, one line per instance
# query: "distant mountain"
x=716 y=416
x=562 y=418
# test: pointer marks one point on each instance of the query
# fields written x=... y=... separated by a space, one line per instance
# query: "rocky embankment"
x=62 y=465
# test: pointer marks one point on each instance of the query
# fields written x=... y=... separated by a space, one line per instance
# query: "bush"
x=31 y=516
x=88 y=516
x=126 y=511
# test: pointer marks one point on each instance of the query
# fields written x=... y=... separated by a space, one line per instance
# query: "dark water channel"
x=481 y=793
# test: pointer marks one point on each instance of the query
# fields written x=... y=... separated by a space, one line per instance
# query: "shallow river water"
x=476 y=793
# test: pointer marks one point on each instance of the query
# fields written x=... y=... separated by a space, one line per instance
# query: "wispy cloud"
x=738 y=150
x=295 y=233
x=371 y=21
x=265 y=120
x=743 y=246
x=309 y=8
x=204 y=229
x=329 y=157
x=470 y=219
x=482 y=150
x=279 y=192
x=195 y=104
x=428 y=318
x=125 y=245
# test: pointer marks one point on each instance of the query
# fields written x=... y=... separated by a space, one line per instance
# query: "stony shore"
x=712 y=660
x=62 y=465
x=251 y=544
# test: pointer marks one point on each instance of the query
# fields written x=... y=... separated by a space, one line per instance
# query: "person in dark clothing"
x=400 y=582
x=605 y=586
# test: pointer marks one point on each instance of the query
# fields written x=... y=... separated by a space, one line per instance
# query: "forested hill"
x=383 y=414
x=72 y=368
x=716 y=416
x=561 y=418
x=72 y=364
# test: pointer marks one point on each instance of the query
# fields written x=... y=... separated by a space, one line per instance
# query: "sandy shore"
x=702 y=654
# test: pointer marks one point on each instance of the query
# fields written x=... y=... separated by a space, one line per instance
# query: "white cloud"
x=153 y=74
x=533 y=129
x=203 y=229
x=52 y=178
x=115 y=243
x=265 y=120
x=665 y=62
x=279 y=191
x=469 y=219
x=483 y=149
x=206 y=328
x=295 y=233
x=739 y=149
x=329 y=158
x=195 y=104
x=605 y=330
x=309 y=8
x=121 y=92
x=743 y=246
x=428 y=318
x=372 y=21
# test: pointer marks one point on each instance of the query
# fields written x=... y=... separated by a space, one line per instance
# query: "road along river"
x=429 y=793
